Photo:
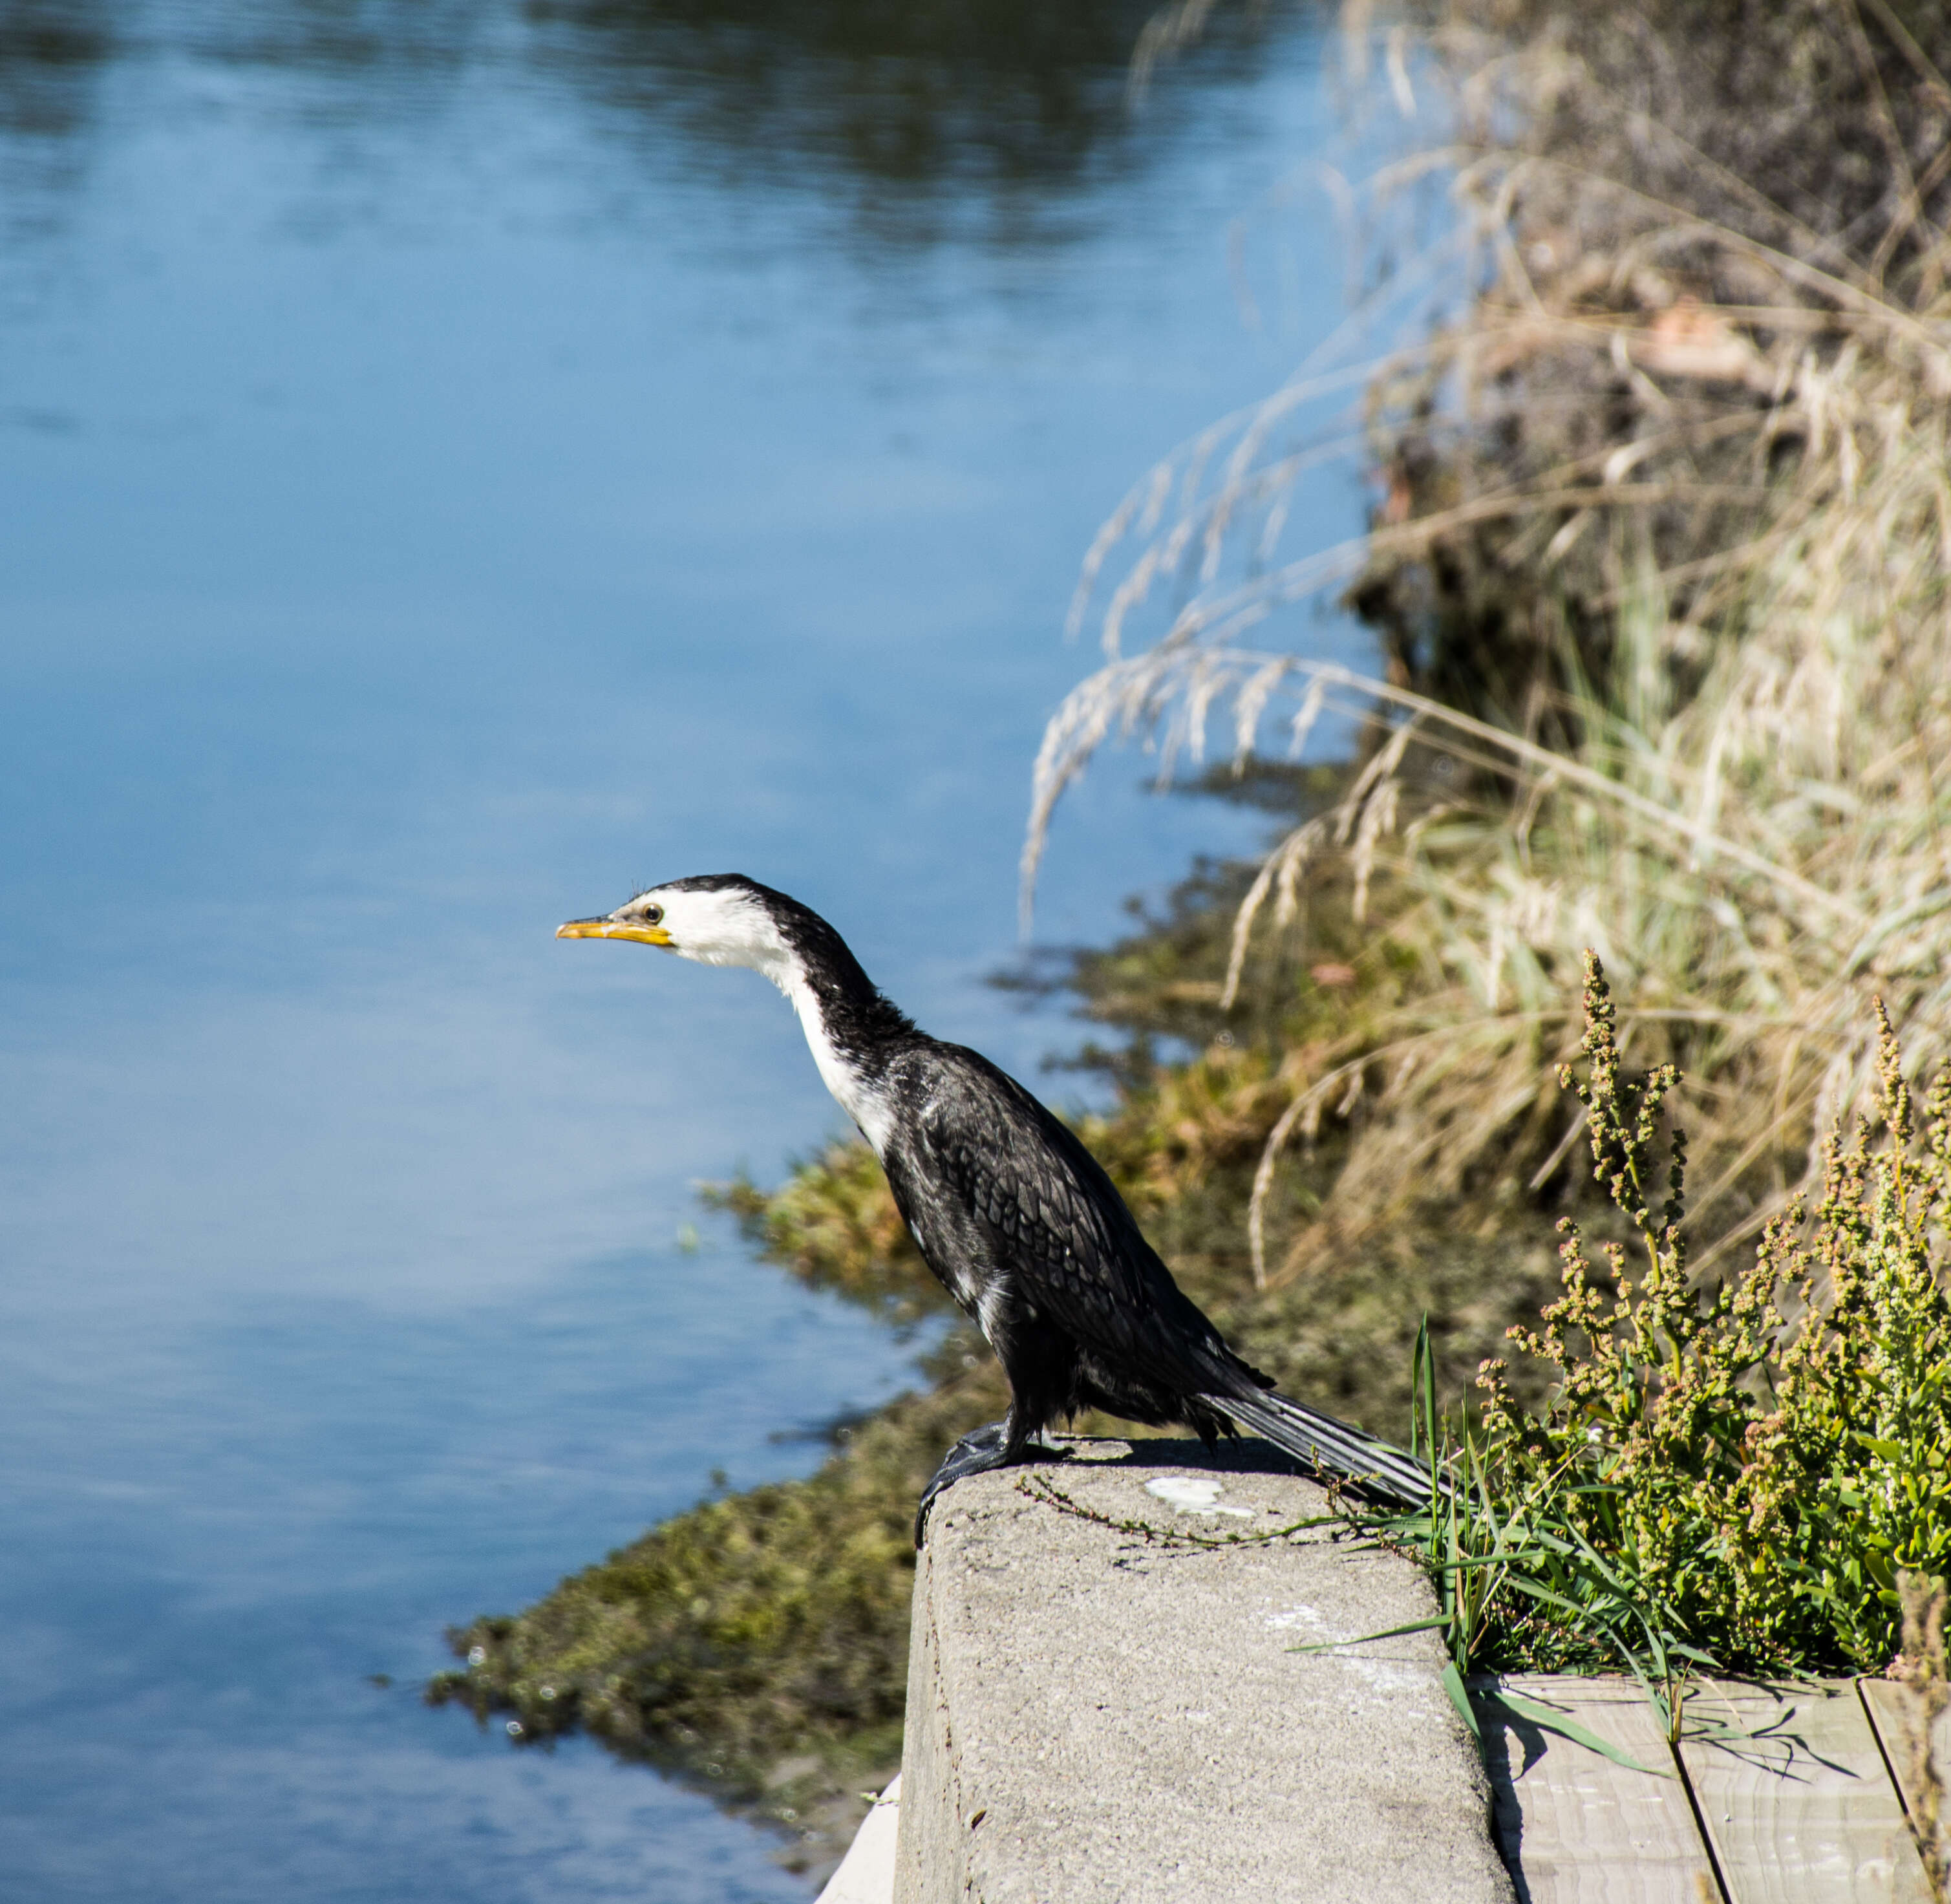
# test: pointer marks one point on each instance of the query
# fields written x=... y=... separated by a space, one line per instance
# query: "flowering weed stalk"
x=1734 y=1478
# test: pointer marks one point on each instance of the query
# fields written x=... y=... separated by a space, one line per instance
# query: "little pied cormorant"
x=1015 y=1217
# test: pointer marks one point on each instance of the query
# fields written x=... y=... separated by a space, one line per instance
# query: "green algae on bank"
x=757 y=1643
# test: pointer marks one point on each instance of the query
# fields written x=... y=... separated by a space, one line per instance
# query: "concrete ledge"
x=1093 y=1718
x=866 y=1873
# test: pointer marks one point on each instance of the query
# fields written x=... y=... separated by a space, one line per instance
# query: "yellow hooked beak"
x=610 y=928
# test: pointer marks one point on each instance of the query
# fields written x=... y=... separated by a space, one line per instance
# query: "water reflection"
x=923 y=105
x=49 y=52
x=928 y=118
x=52 y=55
x=424 y=525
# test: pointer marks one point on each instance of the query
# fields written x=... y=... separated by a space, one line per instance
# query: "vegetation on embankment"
x=1753 y=1479
x=1661 y=571
x=757 y=1643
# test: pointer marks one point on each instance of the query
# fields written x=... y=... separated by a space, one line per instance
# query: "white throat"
x=861 y=1100
x=728 y=926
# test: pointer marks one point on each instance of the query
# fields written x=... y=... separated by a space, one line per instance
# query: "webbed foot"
x=977 y=1453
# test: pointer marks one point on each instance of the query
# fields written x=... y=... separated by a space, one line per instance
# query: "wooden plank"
x=1803 y=1811
x=1576 y=1828
x=1895 y=1711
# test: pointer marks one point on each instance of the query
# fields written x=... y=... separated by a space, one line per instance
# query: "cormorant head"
x=717 y=918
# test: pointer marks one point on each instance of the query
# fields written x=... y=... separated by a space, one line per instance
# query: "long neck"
x=851 y=1029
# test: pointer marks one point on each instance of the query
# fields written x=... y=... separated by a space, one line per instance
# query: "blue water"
x=457 y=464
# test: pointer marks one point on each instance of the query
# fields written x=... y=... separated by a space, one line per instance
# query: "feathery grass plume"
x=1740 y=1479
x=1661 y=578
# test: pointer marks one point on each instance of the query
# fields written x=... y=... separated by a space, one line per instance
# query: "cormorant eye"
x=653 y=915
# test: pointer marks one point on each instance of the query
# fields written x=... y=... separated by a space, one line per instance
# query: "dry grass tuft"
x=1661 y=577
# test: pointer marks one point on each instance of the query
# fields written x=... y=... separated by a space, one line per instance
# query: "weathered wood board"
x=1575 y=1826
x=1801 y=1810
x=1895 y=1714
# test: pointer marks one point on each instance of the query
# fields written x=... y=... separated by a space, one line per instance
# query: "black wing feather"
x=1056 y=1225
x=1044 y=1217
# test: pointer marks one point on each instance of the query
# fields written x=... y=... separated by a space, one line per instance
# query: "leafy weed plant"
x=1735 y=1479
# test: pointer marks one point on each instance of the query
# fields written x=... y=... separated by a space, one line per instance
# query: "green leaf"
x=1546 y=1719
x=1424 y=1372
x=1460 y=1697
x=1388 y=1633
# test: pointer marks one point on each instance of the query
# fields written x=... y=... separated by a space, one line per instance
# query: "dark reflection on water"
x=457 y=461
x=1011 y=100
x=932 y=118
x=51 y=56
x=48 y=56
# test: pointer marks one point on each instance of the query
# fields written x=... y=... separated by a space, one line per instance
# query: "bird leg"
x=993 y=1445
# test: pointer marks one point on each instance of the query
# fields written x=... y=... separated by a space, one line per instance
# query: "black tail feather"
x=1372 y=1467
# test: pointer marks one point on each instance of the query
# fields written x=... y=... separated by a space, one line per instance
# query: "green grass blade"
x=1388 y=1633
x=1547 y=1720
